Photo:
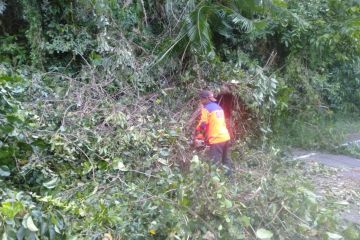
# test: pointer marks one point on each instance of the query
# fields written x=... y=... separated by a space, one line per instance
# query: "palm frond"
x=199 y=29
x=245 y=23
x=247 y=7
x=222 y=17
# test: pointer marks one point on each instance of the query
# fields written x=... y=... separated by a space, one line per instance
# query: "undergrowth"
x=261 y=199
x=122 y=171
x=315 y=131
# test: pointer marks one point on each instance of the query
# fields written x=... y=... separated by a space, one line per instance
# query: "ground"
x=337 y=177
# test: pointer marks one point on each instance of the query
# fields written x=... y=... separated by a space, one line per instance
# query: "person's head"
x=206 y=96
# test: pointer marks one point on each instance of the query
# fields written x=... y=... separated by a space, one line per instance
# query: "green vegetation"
x=95 y=102
x=327 y=130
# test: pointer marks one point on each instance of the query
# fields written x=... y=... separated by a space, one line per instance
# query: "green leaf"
x=20 y=234
x=343 y=202
x=245 y=220
x=121 y=167
x=260 y=25
x=163 y=161
x=164 y=152
x=57 y=229
x=29 y=223
x=216 y=179
x=7 y=78
x=263 y=234
x=4 y=171
x=334 y=235
x=228 y=203
x=5 y=236
x=11 y=209
x=280 y=3
x=51 y=184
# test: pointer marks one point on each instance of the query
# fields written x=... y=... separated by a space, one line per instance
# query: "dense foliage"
x=95 y=102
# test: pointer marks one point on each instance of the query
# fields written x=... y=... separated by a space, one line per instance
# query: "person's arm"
x=201 y=126
x=204 y=120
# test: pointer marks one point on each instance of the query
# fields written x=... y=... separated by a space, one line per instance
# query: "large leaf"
x=263 y=234
x=51 y=184
x=334 y=236
x=4 y=171
x=29 y=223
x=222 y=17
x=244 y=23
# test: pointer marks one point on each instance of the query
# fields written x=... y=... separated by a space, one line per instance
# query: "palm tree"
x=223 y=17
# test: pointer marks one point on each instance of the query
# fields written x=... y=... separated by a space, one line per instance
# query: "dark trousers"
x=219 y=153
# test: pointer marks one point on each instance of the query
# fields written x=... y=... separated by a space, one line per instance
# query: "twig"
x=293 y=214
x=66 y=111
x=145 y=15
x=275 y=215
x=146 y=174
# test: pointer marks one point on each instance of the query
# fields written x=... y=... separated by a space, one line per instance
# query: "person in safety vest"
x=212 y=123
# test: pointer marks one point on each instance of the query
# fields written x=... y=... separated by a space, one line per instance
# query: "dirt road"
x=343 y=181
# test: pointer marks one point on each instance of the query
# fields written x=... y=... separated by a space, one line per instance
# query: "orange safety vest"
x=213 y=122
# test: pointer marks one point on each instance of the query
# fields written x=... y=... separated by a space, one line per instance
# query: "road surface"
x=344 y=181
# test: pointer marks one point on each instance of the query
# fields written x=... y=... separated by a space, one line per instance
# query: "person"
x=212 y=123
